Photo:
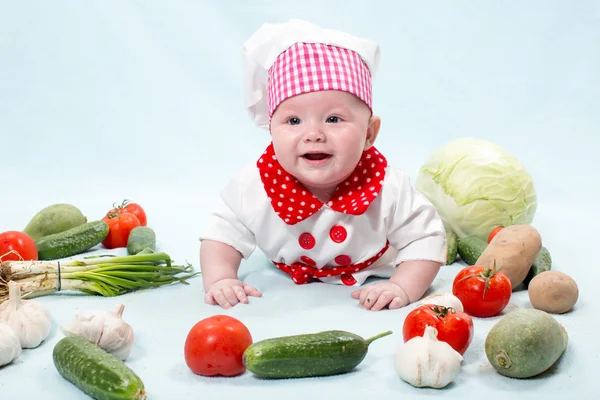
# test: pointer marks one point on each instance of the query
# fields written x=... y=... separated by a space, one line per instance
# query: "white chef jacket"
x=252 y=215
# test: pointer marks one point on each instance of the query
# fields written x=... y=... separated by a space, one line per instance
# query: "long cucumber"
x=97 y=373
x=314 y=354
x=73 y=241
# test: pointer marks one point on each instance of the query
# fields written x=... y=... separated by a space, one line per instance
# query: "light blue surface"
x=106 y=100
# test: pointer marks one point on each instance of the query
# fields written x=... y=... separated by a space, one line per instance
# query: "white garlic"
x=424 y=361
x=106 y=329
x=10 y=346
x=444 y=299
x=29 y=319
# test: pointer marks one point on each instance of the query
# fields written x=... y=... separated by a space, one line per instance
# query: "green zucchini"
x=140 y=238
x=542 y=263
x=72 y=241
x=307 y=355
x=470 y=248
x=97 y=373
x=452 y=246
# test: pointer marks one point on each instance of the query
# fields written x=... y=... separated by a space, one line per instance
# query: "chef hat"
x=283 y=60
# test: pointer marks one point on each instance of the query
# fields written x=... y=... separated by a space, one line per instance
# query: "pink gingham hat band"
x=310 y=67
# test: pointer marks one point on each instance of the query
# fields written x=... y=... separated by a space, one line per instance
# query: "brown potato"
x=553 y=291
x=513 y=249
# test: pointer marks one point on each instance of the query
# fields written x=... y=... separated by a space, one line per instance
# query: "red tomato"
x=215 y=346
x=132 y=208
x=138 y=211
x=119 y=228
x=484 y=292
x=454 y=327
x=494 y=232
x=20 y=242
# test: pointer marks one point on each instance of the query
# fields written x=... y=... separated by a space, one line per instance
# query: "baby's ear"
x=372 y=131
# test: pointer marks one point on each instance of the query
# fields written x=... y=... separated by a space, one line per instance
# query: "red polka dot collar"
x=293 y=203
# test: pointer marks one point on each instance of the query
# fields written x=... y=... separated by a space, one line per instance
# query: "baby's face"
x=319 y=137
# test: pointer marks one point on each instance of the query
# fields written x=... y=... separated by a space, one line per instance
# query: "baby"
x=321 y=202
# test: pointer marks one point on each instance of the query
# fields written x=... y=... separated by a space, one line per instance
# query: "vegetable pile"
x=41 y=258
x=487 y=201
x=49 y=255
x=514 y=257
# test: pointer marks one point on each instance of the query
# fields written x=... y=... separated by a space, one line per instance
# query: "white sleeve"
x=414 y=227
x=226 y=224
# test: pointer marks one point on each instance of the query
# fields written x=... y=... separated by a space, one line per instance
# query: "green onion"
x=104 y=275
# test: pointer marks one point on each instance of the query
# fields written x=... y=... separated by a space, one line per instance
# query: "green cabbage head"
x=476 y=186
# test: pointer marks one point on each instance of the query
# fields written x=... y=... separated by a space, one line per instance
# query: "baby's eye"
x=333 y=119
x=294 y=121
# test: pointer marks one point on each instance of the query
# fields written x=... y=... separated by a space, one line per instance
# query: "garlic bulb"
x=29 y=319
x=444 y=299
x=10 y=346
x=105 y=329
x=424 y=361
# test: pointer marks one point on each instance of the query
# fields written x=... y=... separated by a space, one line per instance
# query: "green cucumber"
x=307 y=355
x=73 y=241
x=140 y=238
x=54 y=219
x=452 y=246
x=525 y=343
x=542 y=263
x=97 y=373
x=470 y=249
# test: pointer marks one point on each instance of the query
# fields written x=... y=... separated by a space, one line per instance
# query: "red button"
x=343 y=260
x=338 y=234
x=307 y=241
x=308 y=261
x=348 y=279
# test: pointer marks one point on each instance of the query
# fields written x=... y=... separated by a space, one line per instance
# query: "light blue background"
x=106 y=100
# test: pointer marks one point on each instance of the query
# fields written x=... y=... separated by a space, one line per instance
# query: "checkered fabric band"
x=310 y=67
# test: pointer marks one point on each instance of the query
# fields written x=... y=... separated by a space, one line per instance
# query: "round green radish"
x=525 y=343
x=54 y=219
x=141 y=238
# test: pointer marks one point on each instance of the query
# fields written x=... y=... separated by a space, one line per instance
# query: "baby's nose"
x=314 y=134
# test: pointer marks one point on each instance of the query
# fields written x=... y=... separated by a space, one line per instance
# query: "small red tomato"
x=454 y=327
x=17 y=246
x=120 y=226
x=484 y=292
x=215 y=346
x=132 y=208
x=494 y=232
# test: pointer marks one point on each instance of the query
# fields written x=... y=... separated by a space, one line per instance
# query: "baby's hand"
x=228 y=292
x=378 y=295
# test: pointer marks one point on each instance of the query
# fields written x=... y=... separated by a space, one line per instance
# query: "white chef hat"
x=268 y=45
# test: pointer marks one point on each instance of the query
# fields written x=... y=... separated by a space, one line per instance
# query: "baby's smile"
x=316 y=156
